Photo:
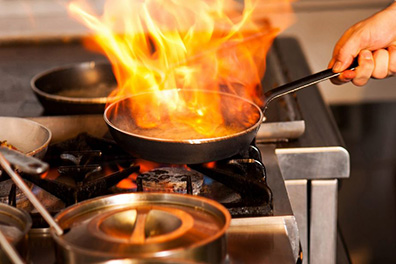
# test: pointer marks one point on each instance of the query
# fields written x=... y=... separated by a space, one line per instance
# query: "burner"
x=172 y=179
x=85 y=167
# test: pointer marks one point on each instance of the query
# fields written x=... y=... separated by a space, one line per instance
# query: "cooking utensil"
x=25 y=135
x=189 y=151
x=75 y=89
x=144 y=226
x=10 y=250
x=22 y=162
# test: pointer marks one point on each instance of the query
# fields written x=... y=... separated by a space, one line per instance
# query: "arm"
x=374 y=41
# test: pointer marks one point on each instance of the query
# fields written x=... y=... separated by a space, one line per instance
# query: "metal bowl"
x=25 y=135
x=75 y=89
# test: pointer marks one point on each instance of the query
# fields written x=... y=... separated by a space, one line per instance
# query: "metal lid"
x=142 y=225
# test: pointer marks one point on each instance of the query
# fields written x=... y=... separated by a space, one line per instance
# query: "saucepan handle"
x=302 y=83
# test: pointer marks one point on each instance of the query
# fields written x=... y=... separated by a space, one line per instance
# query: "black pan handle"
x=302 y=83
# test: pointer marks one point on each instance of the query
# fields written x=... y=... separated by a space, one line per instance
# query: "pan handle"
x=302 y=83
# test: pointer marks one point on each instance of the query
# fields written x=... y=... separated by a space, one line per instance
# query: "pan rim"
x=188 y=141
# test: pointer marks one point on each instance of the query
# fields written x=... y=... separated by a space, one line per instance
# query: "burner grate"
x=85 y=167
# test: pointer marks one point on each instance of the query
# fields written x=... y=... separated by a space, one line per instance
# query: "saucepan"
x=165 y=145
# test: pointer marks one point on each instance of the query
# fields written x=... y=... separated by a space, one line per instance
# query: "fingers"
x=381 y=64
x=392 y=60
x=365 y=68
x=378 y=64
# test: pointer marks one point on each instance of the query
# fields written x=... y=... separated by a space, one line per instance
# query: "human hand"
x=373 y=40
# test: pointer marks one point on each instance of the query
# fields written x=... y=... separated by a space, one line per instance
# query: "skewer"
x=10 y=250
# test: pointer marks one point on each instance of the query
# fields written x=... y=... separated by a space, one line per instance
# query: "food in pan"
x=7 y=145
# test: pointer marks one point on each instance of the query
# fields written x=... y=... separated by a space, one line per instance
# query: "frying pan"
x=166 y=149
x=81 y=88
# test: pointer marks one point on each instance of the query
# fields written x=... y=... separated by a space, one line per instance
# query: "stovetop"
x=276 y=226
x=85 y=167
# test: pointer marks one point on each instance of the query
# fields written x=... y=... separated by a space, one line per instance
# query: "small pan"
x=81 y=88
x=176 y=150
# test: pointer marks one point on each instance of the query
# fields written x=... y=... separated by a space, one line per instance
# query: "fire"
x=160 y=45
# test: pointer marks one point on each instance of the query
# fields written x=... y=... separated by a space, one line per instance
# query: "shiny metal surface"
x=323 y=226
x=298 y=194
x=314 y=162
x=260 y=240
x=143 y=226
x=281 y=204
x=14 y=224
x=22 y=162
x=27 y=136
x=278 y=131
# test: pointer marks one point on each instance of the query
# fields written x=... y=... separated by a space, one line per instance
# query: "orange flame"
x=156 y=45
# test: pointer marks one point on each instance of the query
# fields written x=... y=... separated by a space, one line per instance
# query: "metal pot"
x=143 y=227
x=15 y=225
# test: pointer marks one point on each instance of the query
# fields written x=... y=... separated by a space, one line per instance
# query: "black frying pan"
x=81 y=88
x=172 y=149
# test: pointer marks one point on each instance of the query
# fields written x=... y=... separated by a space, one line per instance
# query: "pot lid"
x=141 y=225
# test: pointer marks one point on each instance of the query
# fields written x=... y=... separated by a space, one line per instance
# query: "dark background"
x=367 y=200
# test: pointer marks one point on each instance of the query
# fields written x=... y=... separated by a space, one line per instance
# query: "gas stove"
x=249 y=185
x=291 y=152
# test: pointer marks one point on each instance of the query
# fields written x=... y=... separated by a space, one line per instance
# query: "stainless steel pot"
x=15 y=225
x=143 y=227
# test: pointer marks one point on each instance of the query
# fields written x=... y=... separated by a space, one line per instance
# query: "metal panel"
x=323 y=224
x=262 y=240
x=297 y=191
x=313 y=163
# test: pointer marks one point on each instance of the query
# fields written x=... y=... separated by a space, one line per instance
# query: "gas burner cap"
x=145 y=226
x=171 y=179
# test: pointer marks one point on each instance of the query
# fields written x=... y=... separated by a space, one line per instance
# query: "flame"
x=160 y=45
